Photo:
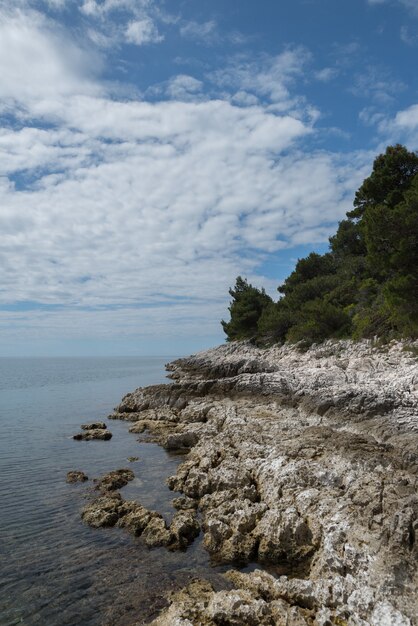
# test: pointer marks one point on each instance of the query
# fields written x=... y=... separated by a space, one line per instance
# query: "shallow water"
x=54 y=569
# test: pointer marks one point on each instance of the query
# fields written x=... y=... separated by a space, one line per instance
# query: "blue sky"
x=151 y=151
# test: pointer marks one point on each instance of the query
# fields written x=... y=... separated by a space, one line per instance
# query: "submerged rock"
x=76 y=477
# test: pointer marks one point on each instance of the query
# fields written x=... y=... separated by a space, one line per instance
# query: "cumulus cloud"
x=131 y=214
x=266 y=77
x=113 y=22
x=403 y=126
x=57 y=65
x=183 y=87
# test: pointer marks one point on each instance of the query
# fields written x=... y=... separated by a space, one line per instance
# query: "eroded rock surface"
x=110 y=509
x=305 y=462
x=94 y=426
x=116 y=479
x=96 y=433
x=76 y=477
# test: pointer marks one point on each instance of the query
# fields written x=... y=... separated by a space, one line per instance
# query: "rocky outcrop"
x=305 y=462
x=76 y=477
x=97 y=433
x=116 y=479
x=110 y=509
x=94 y=426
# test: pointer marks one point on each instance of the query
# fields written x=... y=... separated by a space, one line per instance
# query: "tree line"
x=366 y=285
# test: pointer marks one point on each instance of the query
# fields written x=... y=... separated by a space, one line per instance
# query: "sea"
x=54 y=569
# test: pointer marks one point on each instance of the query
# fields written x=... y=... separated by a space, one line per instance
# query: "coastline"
x=303 y=462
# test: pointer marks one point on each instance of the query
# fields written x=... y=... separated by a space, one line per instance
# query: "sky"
x=151 y=151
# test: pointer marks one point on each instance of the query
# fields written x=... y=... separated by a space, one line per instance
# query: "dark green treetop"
x=366 y=285
x=246 y=307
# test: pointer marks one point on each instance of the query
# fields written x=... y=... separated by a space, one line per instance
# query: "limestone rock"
x=116 y=479
x=306 y=462
x=156 y=533
x=98 y=433
x=184 y=503
x=184 y=528
x=103 y=511
x=76 y=477
x=94 y=426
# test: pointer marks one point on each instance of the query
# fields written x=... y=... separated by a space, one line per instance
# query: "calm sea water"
x=54 y=569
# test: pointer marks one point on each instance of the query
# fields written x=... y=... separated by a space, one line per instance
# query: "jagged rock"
x=94 y=426
x=110 y=509
x=135 y=518
x=187 y=606
x=184 y=528
x=181 y=441
x=199 y=604
x=116 y=479
x=230 y=530
x=304 y=461
x=184 y=503
x=238 y=607
x=132 y=459
x=88 y=435
x=139 y=426
x=156 y=533
x=103 y=511
x=76 y=477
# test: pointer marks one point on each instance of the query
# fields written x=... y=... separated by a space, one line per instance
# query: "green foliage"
x=348 y=240
x=391 y=176
x=246 y=308
x=275 y=322
x=365 y=286
x=318 y=320
x=314 y=265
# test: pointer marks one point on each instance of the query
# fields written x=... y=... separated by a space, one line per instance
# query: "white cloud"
x=377 y=84
x=326 y=74
x=184 y=87
x=141 y=32
x=205 y=32
x=267 y=77
x=101 y=8
x=402 y=127
x=132 y=204
x=408 y=119
x=113 y=22
x=57 y=66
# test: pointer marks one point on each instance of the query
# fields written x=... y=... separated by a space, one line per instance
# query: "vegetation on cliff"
x=366 y=284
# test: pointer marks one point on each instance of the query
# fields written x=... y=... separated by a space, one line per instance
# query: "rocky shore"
x=302 y=463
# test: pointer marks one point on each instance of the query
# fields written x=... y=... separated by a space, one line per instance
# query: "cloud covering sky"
x=151 y=151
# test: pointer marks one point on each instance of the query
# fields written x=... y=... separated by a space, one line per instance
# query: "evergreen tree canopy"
x=245 y=309
x=366 y=285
